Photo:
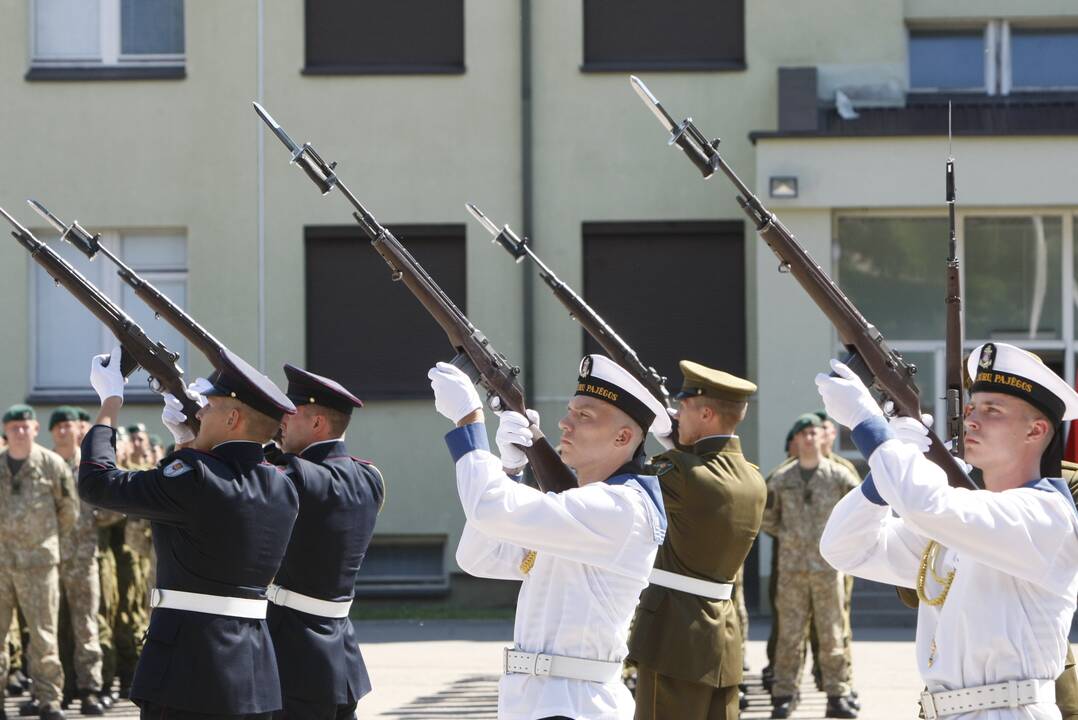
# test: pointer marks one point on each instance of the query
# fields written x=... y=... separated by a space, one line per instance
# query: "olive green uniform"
x=688 y=648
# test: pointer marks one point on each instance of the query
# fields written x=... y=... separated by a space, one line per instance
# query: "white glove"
x=454 y=393
x=197 y=389
x=668 y=441
x=845 y=397
x=107 y=381
x=513 y=431
x=174 y=419
x=913 y=432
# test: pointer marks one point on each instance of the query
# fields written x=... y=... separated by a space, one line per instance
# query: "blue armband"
x=870 y=434
x=868 y=487
x=463 y=440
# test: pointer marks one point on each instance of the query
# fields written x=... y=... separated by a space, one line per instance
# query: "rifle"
x=138 y=350
x=163 y=307
x=955 y=424
x=474 y=354
x=618 y=350
x=869 y=356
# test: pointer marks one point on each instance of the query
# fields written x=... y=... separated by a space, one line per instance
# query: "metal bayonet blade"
x=13 y=221
x=652 y=102
x=47 y=215
x=276 y=128
x=483 y=219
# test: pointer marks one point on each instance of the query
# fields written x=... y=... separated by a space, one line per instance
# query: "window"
x=1015 y=266
x=368 y=37
x=996 y=58
x=107 y=39
x=622 y=35
x=61 y=324
x=403 y=566
x=704 y=261
x=390 y=339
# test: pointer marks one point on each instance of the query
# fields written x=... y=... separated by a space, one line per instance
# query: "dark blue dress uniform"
x=321 y=667
x=221 y=521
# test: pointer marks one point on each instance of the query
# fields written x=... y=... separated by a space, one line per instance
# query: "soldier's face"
x=1000 y=426
x=66 y=434
x=688 y=421
x=21 y=433
x=591 y=431
x=297 y=431
x=828 y=433
x=808 y=440
x=140 y=443
x=217 y=418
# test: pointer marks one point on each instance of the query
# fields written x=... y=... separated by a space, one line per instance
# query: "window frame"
x=1066 y=345
x=111 y=63
x=113 y=287
x=998 y=57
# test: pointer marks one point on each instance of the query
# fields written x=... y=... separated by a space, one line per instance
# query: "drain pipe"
x=526 y=203
x=260 y=74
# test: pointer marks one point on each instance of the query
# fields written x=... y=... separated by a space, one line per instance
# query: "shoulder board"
x=659 y=465
x=175 y=468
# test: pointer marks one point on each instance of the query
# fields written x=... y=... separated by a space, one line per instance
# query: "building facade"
x=135 y=118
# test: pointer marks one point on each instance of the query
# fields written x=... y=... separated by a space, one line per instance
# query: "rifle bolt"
x=157 y=316
x=396 y=277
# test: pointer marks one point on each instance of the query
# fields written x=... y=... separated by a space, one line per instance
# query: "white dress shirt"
x=1015 y=558
x=595 y=548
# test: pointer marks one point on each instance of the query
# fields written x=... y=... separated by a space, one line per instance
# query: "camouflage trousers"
x=132 y=616
x=108 y=607
x=81 y=654
x=36 y=592
x=819 y=597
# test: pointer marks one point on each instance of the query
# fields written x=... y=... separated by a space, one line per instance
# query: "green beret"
x=155 y=440
x=702 y=380
x=822 y=414
x=136 y=428
x=83 y=415
x=64 y=413
x=803 y=421
x=121 y=433
x=19 y=412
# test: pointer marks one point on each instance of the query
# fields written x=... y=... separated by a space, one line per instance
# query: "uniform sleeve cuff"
x=868 y=487
x=870 y=434
x=464 y=440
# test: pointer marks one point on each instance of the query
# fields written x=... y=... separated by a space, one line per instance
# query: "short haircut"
x=260 y=425
x=338 y=421
x=730 y=411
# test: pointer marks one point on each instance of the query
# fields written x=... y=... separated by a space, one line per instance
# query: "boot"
x=51 y=712
x=767 y=677
x=838 y=706
x=15 y=683
x=783 y=707
x=91 y=704
x=855 y=700
x=30 y=708
x=742 y=700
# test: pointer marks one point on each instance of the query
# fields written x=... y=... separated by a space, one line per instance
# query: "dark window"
x=366 y=331
x=672 y=35
x=1044 y=58
x=402 y=36
x=947 y=60
x=672 y=290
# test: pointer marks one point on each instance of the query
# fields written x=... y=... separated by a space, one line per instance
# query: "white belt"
x=703 y=588
x=526 y=663
x=307 y=604
x=1009 y=694
x=211 y=604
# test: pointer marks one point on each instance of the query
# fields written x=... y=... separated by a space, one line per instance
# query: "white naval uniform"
x=595 y=548
x=1015 y=557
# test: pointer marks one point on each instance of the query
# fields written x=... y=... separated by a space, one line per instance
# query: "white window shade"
x=66 y=334
x=67 y=29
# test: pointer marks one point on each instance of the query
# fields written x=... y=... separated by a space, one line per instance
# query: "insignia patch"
x=585 y=366
x=175 y=468
x=988 y=356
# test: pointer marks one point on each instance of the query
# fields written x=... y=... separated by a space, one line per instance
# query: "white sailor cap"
x=602 y=378
x=1003 y=368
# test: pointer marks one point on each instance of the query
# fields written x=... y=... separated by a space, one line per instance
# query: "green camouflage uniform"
x=81 y=586
x=39 y=505
x=811 y=589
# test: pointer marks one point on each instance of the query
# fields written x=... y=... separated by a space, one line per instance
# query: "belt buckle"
x=155 y=598
x=272 y=592
x=505 y=660
x=928 y=704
